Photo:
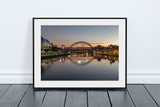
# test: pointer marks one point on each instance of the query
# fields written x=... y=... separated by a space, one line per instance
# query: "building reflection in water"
x=80 y=59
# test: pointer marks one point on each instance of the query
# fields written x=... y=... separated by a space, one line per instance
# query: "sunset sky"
x=67 y=35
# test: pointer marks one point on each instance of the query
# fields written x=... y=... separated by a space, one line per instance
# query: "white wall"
x=16 y=33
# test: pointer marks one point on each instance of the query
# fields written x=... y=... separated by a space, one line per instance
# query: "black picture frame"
x=33 y=26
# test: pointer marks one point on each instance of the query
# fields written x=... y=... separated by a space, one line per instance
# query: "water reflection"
x=80 y=67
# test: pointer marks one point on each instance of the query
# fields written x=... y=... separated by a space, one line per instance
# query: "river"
x=78 y=67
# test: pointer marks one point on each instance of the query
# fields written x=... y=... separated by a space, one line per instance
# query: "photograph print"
x=72 y=53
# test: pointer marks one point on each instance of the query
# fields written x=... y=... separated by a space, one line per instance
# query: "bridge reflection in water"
x=80 y=66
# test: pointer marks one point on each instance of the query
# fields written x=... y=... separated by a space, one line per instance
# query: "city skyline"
x=67 y=35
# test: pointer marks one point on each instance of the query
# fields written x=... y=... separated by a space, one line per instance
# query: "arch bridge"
x=79 y=42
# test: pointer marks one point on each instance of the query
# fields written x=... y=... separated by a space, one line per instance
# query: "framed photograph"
x=79 y=52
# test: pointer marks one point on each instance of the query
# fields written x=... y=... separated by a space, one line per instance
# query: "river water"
x=80 y=68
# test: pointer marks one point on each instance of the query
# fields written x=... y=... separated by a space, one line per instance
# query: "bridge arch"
x=81 y=42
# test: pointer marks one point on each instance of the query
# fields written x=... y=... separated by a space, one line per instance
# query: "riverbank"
x=52 y=56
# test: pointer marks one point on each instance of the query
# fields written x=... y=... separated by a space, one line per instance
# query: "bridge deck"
x=25 y=96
